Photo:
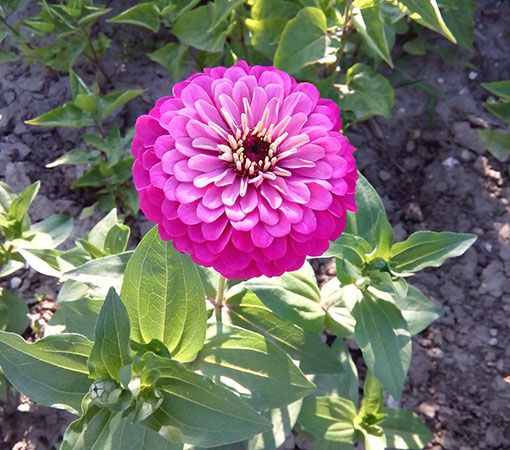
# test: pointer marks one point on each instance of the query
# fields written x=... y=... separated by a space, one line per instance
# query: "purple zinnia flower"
x=245 y=170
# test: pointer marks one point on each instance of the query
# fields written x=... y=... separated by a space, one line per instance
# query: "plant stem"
x=96 y=58
x=15 y=32
x=220 y=294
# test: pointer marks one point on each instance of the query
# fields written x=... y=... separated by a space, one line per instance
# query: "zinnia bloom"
x=245 y=170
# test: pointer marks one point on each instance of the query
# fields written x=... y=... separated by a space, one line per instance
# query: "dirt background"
x=432 y=175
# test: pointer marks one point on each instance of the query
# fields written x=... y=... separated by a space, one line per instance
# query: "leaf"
x=247 y=311
x=133 y=436
x=500 y=109
x=373 y=396
x=110 y=356
x=7 y=56
x=367 y=18
x=262 y=373
x=499 y=88
x=143 y=15
x=10 y=267
x=222 y=8
x=101 y=274
x=111 y=102
x=193 y=407
x=384 y=237
x=497 y=142
x=428 y=249
x=270 y=9
x=305 y=41
x=53 y=371
x=369 y=206
x=192 y=28
x=94 y=430
x=265 y=34
x=67 y=115
x=58 y=226
x=97 y=236
x=173 y=57
x=294 y=296
x=164 y=298
x=13 y=312
x=76 y=157
x=383 y=336
x=404 y=429
x=44 y=261
x=418 y=311
x=117 y=239
x=427 y=13
x=459 y=21
x=339 y=320
x=283 y=420
x=21 y=203
x=80 y=316
x=329 y=418
x=366 y=93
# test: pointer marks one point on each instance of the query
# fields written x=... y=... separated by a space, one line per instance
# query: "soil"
x=433 y=173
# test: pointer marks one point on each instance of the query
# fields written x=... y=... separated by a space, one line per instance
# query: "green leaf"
x=192 y=28
x=193 y=407
x=265 y=34
x=373 y=396
x=499 y=88
x=428 y=249
x=111 y=102
x=270 y=9
x=384 y=237
x=164 y=297
x=258 y=370
x=418 y=311
x=222 y=8
x=404 y=429
x=13 y=312
x=143 y=15
x=294 y=296
x=53 y=371
x=366 y=93
x=88 y=103
x=369 y=206
x=305 y=41
x=497 y=142
x=427 y=13
x=247 y=311
x=101 y=274
x=94 y=430
x=367 y=18
x=67 y=115
x=78 y=316
x=339 y=320
x=133 y=436
x=110 y=356
x=21 y=203
x=7 y=56
x=173 y=57
x=329 y=418
x=383 y=336
x=97 y=236
x=7 y=195
x=77 y=157
x=117 y=239
x=283 y=420
x=58 y=226
x=44 y=261
x=10 y=267
x=459 y=20
x=500 y=109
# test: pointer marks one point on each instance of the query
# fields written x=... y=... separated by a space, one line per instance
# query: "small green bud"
x=104 y=392
x=377 y=264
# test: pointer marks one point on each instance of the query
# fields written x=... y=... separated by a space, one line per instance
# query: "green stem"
x=96 y=59
x=15 y=32
x=220 y=295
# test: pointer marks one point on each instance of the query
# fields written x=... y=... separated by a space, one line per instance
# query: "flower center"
x=255 y=149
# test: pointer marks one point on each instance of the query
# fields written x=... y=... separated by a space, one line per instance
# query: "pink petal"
x=163 y=144
x=320 y=198
x=187 y=213
x=234 y=213
x=188 y=193
x=209 y=215
x=292 y=211
x=267 y=214
x=193 y=93
x=205 y=163
x=260 y=237
x=271 y=195
x=311 y=92
x=249 y=221
x=205 y=179
x=170 y=188
x=282 y=228
x=148 y=129
x=213 y=230
x=258 y=103
x=157 y=176
x=177 y=127
x=183 y=173
x=169 y=209
x=212 y=197
x=230 y=193
x=209 y=113
x=218 y=245
x=242 y=240
x=140 y=175
x=298 y=192
x=205 y=144
x=308 y=224
x=196 y=129
x=322 y=171
x=249 y=201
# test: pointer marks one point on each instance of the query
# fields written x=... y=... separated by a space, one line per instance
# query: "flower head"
x=245 y=170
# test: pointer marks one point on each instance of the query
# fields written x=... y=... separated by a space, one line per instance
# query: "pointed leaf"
x=500 y=109
x=53 y=371
x=143 y=15
x=173 y=57
x=262 y=373
x=164 y=298
x=383 y=336
x=294 y=296
x=404 y=429
x=110 y=354
x=428 y=249
x=193 y=407
x=497 y=143
x=13 y=312
x=459 y=20
x=111 y=102
x=499 y=88
x=247 y=311
x=21 y=203
x=58 y=226
x=67 y=115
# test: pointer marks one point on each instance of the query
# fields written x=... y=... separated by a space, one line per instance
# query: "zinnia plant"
x=245 y=170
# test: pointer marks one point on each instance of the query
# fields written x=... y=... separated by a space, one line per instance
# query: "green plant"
x=498 y=142
x=109 y=164
x=23 y=242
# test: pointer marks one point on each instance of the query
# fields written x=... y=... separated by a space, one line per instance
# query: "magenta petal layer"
x=245 y=170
